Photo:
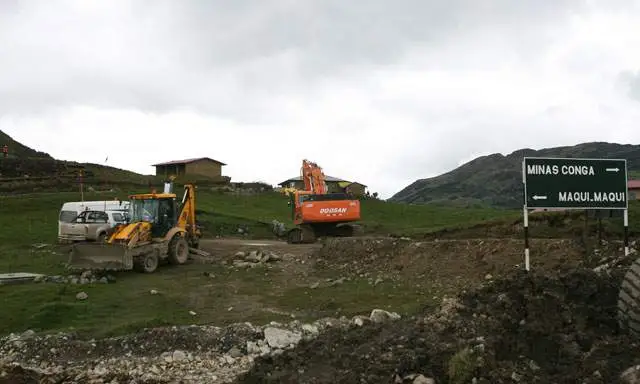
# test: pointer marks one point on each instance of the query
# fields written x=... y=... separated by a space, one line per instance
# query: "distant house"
x=202 y=166
x=334 y=185
x=354 y=188
x=634 y=189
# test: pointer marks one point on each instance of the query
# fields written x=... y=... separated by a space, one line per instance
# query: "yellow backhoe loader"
x=158 y=228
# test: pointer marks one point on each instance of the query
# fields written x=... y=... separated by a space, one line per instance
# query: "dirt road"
x=228 y=247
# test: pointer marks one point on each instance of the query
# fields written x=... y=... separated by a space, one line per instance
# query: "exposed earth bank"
x=551 y=328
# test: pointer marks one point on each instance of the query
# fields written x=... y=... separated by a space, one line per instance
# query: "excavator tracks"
x=303 y=234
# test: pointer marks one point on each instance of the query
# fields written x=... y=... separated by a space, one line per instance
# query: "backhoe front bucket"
x=100 y=256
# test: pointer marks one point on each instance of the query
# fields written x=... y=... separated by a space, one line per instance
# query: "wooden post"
x=526 y=238
x=81 y=186
x=599 y=230
x=626 y=232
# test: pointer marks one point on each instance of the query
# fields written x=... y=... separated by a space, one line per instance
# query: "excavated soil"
x=538 y=328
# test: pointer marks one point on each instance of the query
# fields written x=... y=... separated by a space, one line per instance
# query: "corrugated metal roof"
x=188 y=161
x=633 y=184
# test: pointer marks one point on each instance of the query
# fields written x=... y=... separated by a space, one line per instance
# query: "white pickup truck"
x=90 y=220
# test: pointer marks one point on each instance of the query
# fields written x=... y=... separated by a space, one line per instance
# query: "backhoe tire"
x=178 y=250
x=629 y=301
x=147 y=263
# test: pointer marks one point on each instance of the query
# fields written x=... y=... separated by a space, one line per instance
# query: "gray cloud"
x=414 y=87
x=223 y=57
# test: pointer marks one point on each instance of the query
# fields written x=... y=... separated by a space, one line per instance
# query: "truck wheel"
x=629 y=301
x=147 y=263
x=102 y=238
x=178 y=250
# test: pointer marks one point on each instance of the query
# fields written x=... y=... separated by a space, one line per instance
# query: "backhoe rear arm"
x=187 y=218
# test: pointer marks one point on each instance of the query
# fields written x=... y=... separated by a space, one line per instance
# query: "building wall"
x=357 y=189
x=168 y=170
x=293 y=184
x=204 y=168
x=634 y=194
x=332 y=187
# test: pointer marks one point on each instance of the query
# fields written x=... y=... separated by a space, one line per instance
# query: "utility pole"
x=81 y=186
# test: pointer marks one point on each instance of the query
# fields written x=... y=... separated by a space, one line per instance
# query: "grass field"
x=229 y=297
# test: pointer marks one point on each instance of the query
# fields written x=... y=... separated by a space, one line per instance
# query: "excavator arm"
x=313 y=177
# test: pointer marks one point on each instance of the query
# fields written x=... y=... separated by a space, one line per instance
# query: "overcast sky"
x=382 y=92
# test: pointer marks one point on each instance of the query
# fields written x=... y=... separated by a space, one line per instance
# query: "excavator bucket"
x=100 y=256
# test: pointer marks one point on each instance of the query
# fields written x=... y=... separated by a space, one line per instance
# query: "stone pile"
x=254 y=258
x=192 y=354
x=86 y=277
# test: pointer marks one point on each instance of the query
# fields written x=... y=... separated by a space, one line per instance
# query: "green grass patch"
x=354 y=297
x=128 y=304
x=377 y=216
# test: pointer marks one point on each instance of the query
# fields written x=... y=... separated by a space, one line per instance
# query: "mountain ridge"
x=496 y=180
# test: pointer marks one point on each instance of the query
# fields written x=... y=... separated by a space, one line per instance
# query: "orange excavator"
x=318 y=213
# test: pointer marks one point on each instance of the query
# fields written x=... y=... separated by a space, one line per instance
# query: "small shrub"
x=462 y=367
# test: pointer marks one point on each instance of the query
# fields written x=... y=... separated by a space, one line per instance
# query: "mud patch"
x=537 y=328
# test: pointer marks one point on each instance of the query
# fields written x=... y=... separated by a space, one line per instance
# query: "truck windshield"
x=143 y=210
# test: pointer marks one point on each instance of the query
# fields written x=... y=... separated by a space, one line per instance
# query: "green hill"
x=496 y=180
x=18 y=150
x=27 y=170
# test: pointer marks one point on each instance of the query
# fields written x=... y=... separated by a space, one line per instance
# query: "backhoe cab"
x=159 y=228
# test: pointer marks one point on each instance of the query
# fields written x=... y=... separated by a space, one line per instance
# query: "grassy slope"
x=377 y=216
x=17 y=149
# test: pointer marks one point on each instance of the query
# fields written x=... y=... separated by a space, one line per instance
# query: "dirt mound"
x=536 y=328
x=441 y=257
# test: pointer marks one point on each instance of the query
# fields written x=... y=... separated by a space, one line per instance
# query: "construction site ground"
x=341 y=277
x=84 y=327
x=260 y=281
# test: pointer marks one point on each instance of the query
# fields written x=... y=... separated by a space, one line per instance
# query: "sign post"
x=574 y=183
